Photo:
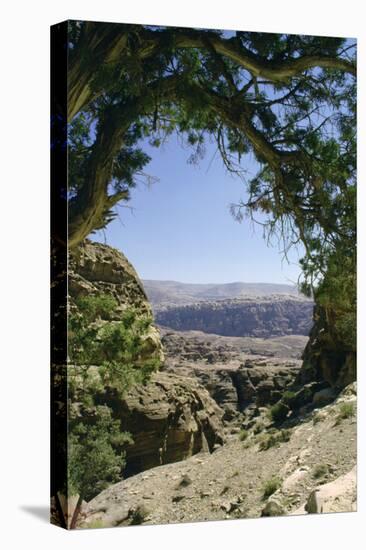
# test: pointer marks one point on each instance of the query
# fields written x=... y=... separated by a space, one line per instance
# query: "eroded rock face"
x=170 y=419
x=260 y=317
x=325 y=358
x=96 y=268
x=257 y=382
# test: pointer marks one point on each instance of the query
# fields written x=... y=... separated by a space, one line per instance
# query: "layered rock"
x=259 y=317
x=257 y=382
x=96 y=268
x=170 y=419
x=235 y=378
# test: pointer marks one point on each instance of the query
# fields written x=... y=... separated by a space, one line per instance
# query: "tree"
x=289 y=100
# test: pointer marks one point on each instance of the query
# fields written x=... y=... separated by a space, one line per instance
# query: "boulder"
x=324 y=397
x=273 y=507
x=337 y=496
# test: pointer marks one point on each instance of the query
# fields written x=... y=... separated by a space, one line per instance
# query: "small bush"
x=284 y=435
x=243 y=434
x=320 y=471
x=288 y=398
x=139 y=514
x=278 y=412
x=268 y=441
x=346 y=410
x=271 y=486
x=271 y=440
x=258 y=427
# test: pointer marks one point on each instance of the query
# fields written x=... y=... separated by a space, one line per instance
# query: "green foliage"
x=346 y=410
x=117 y=348
x=270 y=486
x=278 y=412
x=320 y=470
x=288 y=398
x=243 y=435
x=266 y=441
x=258 y=427
x=300 y=129
x=95 y=457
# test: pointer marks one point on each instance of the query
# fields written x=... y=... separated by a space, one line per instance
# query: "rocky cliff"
x=170 y=418
x=259 y=317
x=96 y=269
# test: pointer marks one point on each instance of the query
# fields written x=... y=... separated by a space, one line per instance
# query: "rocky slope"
x=259 y=317
x=307 y=468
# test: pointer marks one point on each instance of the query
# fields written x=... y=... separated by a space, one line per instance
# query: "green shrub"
x=320 y=471
x=267 y=441
x=288 y=398
x=270 y=486
x=346 y=410
x=118 y=348
x=278 y=412
x=243 y=435
x=271 y=440
x=258 y=427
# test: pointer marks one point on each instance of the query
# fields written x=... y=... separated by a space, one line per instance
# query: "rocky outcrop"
x=337 y=496
x=96 y=268
x=227 y=368
x=325 y=357
x=259 y=317
x=170 y=419
x=258 y=382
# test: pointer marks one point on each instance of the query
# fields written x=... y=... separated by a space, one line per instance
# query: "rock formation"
x=170 y=419
x=259 y=317
x=96 y=268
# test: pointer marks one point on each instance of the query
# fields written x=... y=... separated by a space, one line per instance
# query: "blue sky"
x=181 y=229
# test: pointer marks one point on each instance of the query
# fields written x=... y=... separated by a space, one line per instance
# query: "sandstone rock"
x=273 y=507
x=96 y=268
x=261 y=317
x=238 y=387
x=337 y=496
x=294 y=479
x=323 y=397
x=170 y=419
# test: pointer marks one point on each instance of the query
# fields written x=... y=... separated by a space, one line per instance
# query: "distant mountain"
x=168 y=293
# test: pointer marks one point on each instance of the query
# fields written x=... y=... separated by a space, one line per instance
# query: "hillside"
x=164 y=293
